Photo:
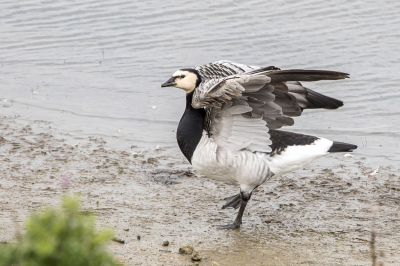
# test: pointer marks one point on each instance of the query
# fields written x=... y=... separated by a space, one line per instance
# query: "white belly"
x=247 y=168
x=295 y=157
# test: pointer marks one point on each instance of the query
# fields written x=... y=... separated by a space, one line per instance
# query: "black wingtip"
x=317 y=100
x=342 y=147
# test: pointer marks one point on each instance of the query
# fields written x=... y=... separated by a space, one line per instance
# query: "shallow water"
x=95 y=67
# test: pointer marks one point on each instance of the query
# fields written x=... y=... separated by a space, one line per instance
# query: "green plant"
x=59 y=237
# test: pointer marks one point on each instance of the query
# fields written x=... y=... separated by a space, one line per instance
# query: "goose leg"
x=243 y=199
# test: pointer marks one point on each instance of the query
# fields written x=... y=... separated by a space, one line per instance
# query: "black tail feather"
x=342 y=147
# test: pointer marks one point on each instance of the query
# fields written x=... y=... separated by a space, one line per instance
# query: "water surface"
x=95 y=67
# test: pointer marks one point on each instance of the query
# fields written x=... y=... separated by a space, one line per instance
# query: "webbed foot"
x=233 y=201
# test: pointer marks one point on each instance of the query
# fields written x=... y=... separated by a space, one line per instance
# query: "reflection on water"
x=95 y=67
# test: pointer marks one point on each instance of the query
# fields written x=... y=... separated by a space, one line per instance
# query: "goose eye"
x=182 y=76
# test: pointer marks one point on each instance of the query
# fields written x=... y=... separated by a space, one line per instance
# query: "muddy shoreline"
x=319 y=215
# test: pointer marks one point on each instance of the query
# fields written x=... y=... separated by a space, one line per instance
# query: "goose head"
x=186 y=79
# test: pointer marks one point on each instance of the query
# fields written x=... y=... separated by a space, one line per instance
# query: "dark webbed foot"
x=228 y=226
x=233 y=201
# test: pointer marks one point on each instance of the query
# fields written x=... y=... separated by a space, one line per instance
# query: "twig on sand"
x=163 y=250
x=119 y=240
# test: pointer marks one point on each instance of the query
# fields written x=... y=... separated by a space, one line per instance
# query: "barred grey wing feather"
x=222 y=69
x=215 y=92
x=299 y=92
x=273 y=106
x=237 y=132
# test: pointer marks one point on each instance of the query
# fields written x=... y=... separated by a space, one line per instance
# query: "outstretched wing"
x=244 y=102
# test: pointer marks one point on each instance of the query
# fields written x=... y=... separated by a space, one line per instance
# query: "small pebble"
x=165 y=243
x=186 y=250
x=138 y=237
x=126 y=229
x=196 y=256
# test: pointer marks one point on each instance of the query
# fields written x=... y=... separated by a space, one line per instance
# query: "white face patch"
x=185 y=80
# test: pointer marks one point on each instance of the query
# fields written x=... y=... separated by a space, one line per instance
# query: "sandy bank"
x=315 y=216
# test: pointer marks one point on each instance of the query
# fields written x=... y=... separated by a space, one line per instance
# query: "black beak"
x=169 y=83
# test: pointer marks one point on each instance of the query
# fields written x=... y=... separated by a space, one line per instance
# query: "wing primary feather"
x=318 y=100
x=305 y=75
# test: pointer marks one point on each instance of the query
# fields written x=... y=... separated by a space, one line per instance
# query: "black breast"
x=190 y=128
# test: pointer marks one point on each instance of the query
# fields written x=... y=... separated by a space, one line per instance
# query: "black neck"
x=190 y=128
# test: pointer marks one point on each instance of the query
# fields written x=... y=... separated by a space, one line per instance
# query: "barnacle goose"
x=229 y=128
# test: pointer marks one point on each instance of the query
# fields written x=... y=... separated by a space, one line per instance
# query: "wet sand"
x=319 y=215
